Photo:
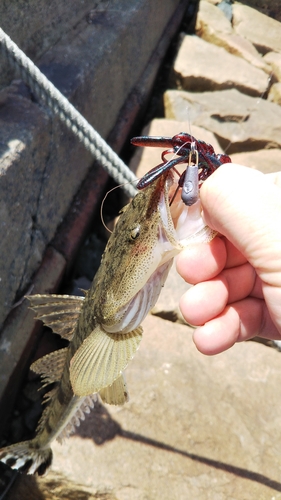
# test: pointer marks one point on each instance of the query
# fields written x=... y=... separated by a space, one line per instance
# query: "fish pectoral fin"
x=59 y=312
x=50 y=367
x=101 y=359
x=116 y=393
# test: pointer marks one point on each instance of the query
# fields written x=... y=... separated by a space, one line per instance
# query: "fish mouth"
x=180 y=222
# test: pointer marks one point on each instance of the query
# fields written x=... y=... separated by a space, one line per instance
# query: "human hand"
x=237 y=277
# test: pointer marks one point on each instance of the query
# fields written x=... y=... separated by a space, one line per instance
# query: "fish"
x=104 y=327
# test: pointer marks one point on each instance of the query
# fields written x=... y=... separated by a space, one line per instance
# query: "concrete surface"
x=36 y=25
x=19 y=338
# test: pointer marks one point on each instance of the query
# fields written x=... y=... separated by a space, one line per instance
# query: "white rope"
x=60 y=105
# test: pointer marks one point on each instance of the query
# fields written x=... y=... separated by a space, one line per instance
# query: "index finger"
x=206 y=260
x=203 y=261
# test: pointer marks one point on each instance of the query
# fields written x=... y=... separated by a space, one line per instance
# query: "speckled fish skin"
x=104 y=327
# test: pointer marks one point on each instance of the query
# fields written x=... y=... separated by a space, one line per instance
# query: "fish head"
x=148 y=234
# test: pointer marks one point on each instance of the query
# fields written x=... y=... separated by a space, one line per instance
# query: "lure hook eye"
x=190 y=188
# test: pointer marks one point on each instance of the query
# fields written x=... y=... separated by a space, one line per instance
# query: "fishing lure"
x=200 y=156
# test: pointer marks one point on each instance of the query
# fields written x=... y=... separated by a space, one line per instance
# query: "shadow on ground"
x=101 y=427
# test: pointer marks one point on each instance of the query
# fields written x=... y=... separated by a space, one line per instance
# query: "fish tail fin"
x=25 y=457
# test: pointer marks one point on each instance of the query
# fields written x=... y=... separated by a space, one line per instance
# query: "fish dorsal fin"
x=59 y=312
x=101 y=359
x=50 y=367
x=116 y=393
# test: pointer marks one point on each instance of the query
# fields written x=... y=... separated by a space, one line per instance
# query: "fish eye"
x=135 y=233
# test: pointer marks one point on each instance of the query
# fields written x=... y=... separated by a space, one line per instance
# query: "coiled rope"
x=60 y=105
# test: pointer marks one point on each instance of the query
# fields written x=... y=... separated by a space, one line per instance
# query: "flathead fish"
x=103 y=328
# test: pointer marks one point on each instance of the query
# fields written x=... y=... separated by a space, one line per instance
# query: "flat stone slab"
x=214 y=27
x=194 y=427
x=269 y=8
x=266 y=160
x=196 y=68
x=239 y=122
x=274 y=94
x=274 y=60
x=263 y=31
